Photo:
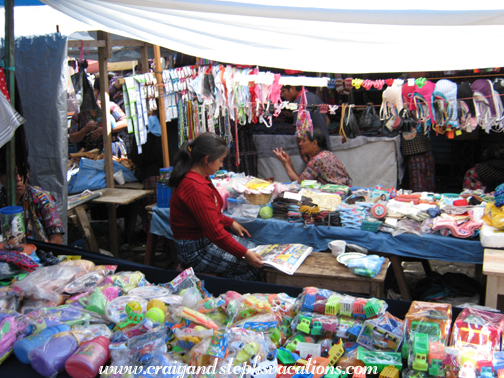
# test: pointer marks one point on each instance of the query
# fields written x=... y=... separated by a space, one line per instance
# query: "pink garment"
x=426 y=92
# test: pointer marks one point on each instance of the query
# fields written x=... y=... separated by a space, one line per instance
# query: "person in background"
x=39 y=208
x=86 y=126
x=200 y=230
x=489 y=173
x=319 y=120
x=323 y=165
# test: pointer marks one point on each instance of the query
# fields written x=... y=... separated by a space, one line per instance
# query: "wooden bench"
x=322 y=270
x=493 y=268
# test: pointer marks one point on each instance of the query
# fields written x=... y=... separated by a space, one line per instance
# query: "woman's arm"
x=119 y=116
x=74 y=134
x=285 y=159
x=56 y=238
x=203 y=209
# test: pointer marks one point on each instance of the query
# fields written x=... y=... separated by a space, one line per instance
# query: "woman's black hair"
x=319 y=136
x=193 y=152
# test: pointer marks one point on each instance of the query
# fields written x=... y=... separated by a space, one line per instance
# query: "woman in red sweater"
x=198 y=225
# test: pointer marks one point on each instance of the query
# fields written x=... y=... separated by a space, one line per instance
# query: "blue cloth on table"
x=275 y=231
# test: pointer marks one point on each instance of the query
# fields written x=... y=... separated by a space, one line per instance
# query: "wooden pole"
x=144 y=58
x=162 y=115
x=9 y=75
x=103 y=54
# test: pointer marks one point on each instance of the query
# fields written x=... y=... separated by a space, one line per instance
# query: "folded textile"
x=19 y=259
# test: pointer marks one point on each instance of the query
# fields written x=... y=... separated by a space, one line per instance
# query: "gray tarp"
x=369 y=160
x=41 y=65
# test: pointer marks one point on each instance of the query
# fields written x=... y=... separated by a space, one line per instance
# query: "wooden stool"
x=322 y=270
x=493 y=268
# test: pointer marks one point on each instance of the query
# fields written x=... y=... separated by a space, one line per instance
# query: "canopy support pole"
x=9 y=74
x=103 y=54
x=162 y=115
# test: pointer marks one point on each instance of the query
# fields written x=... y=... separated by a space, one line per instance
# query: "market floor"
x=414 y=273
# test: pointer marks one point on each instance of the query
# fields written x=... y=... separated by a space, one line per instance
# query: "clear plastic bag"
x=246 y=213
x=368 y=266
x=408 y=225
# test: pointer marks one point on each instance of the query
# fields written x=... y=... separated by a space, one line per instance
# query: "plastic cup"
x=337 y=247
x=119 y=177
x=164 y=193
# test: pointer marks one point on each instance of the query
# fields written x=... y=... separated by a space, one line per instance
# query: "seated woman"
x=40 y=211
x=197 y=222
x=323 y=165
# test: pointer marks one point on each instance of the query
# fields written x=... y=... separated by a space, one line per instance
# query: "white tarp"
x=313 y=35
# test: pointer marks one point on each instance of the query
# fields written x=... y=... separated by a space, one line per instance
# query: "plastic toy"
x=304 y=324
x=24 y=346
x=347 y=305
x=333 y=305
x=196 y=317
x=156 y=303
x=246 y=353
x=9 y=330
x=420 y=352
x=49 y=358
x=478 y=329
x=88 y=358
x=335 y=353
x=358 y=307
x=436 y=357
x=485 y=369
x=156 y=315
x=96 y=302
x=379 y=359
x=336 y=374
x=433 y=319
x=293 y=344
x=135 y=316
x=375 y=337
x=359 y=373
x=285 y=357
x=372 y=308
x=389 y=372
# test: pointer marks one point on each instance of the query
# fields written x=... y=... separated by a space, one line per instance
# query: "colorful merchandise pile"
x=76 y=316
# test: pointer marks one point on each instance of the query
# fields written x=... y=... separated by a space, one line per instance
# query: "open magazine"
x=79 y=199
x=286 y=258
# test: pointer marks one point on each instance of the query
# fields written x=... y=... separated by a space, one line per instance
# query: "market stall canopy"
x=318 y=35
x=31 y=18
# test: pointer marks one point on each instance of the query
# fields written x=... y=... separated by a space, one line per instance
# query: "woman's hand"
x=97 y=133
x=239 y=230
x=253 y=259
x=283 y=156
x=90 y=126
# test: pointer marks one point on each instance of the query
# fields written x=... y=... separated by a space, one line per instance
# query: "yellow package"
x=494 y=216
x=257 y=184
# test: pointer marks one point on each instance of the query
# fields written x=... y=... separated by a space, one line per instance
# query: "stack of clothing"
x=328 y=218
x=288 y=208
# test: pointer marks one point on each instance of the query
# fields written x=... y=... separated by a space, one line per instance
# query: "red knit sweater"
x=195 y=213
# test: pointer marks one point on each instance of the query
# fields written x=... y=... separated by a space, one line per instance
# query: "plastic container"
x=49 y=358
x=233 y=203
x=164 y=174
x=24 y=346
x=88 y=358
x=164 y=193
x=13 y=228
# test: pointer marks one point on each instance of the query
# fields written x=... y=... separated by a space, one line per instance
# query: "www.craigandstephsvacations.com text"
x=238 y=371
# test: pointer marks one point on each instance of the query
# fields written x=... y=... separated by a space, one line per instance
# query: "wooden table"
x=493 y=268
x=111 y=197
x=324 y=271
x=130 y=185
